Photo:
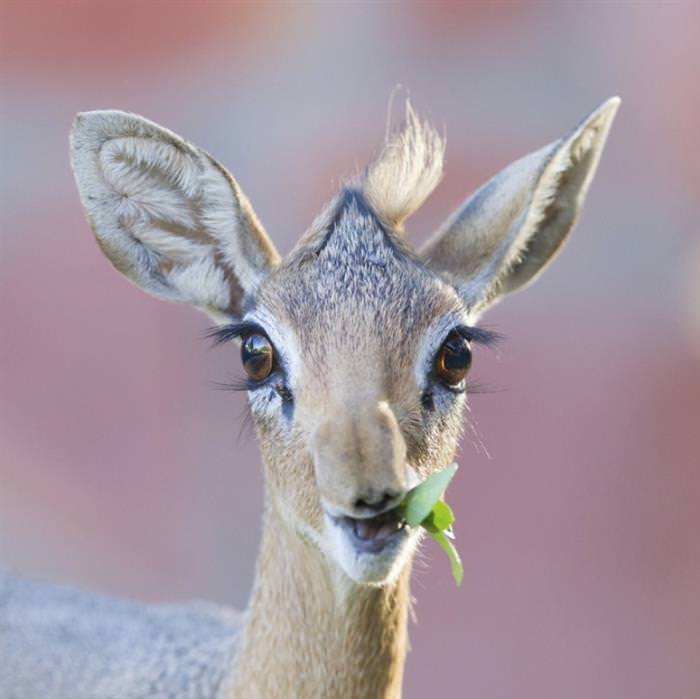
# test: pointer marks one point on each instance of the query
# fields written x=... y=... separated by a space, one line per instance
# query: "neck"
x=314 y=635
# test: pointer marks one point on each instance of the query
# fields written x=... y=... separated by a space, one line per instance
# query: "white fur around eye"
x=283 y=340
x=432 y=340
x=265 y=402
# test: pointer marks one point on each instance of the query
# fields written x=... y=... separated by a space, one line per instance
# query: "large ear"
x=508 y=230
x=167 y=215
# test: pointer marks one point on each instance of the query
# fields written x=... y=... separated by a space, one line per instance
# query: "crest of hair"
x=406 y=171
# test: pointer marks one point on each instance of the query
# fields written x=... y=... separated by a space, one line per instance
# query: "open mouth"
x=374 y=534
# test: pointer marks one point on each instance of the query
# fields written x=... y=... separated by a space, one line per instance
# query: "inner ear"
x=509 y=229
x=167 y=215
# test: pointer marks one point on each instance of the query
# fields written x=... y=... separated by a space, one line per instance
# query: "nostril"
x=376 y=503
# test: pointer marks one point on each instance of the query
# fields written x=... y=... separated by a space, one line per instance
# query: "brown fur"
x=356 y=318
x=321 y=642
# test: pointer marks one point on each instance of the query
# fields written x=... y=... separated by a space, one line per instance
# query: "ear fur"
x=166 y=214
x=507 y=231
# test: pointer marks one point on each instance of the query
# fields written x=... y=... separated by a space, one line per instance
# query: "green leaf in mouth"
x=419 y=502
x=423 y=506
x=451 y=551
x=440 y=517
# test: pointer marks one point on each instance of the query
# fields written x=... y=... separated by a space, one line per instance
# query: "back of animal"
x=60 y=643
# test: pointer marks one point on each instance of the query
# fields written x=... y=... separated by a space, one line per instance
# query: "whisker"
x=245 y=431
x=476 y=440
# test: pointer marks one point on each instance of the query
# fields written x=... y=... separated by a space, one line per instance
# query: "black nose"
x=376 y=503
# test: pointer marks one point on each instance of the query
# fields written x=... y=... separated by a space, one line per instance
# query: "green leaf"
x=423 y=506
x=420 y=501
x=455 y=561
x=429 y=526
x=441 y=516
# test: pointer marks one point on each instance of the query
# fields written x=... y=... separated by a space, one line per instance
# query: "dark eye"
x=257 y=356
x=453 y=360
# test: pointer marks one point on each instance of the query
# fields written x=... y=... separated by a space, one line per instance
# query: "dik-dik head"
x=355 y=348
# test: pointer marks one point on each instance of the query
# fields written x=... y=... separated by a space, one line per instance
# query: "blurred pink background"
x=121 y=469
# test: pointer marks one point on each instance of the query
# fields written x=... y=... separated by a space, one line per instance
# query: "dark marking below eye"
x=284 y=393
x=287 y=401
x=427 y=400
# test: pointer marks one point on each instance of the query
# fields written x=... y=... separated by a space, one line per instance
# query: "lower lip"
x=375 y=544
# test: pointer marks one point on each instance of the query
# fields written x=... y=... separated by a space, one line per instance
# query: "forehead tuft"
x=406 y=171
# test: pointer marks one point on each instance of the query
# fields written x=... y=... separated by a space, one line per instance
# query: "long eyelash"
x=234 y=385
x=482 y=336
x=246 y=417
x=232 y=331
x=243 y=385
x=478 y=388
x=229 y=332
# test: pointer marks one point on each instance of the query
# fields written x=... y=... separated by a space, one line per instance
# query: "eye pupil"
x=257 y=357
x=453 y=360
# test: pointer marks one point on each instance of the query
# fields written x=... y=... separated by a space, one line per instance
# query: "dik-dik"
x=356 y=350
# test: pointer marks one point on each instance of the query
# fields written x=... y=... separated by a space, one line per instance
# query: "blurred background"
x=123 y=470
